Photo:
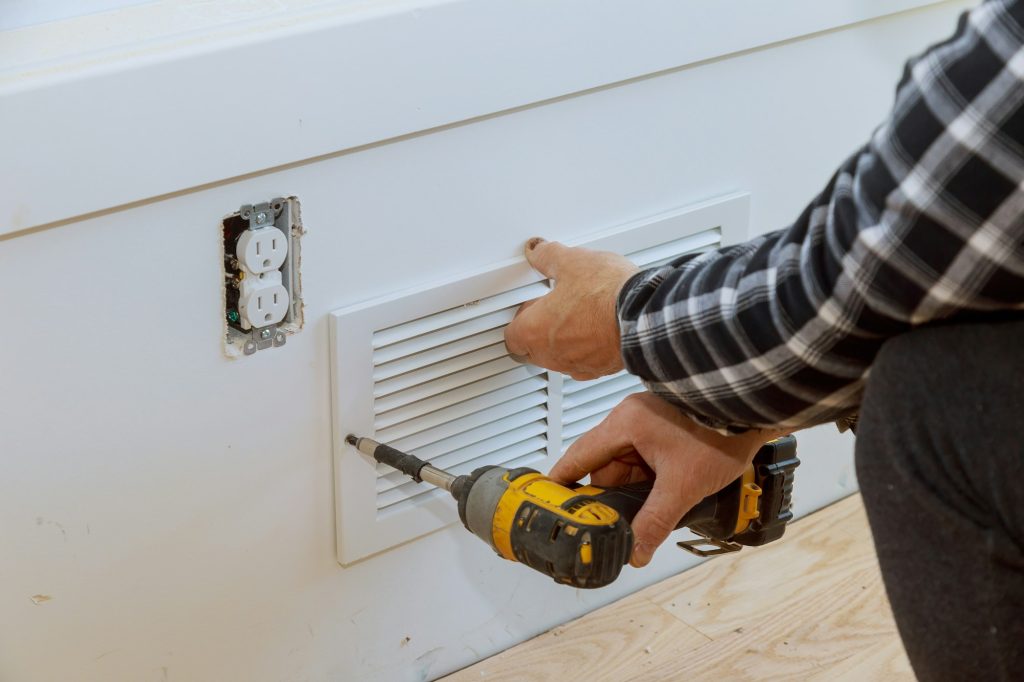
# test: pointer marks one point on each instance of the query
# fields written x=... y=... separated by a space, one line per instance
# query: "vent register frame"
x=427 y=371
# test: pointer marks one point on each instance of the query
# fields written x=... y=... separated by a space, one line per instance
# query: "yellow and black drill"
x=581 y=535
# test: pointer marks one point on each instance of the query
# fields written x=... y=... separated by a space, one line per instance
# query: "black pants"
x=940 y=458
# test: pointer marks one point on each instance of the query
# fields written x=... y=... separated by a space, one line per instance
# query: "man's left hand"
x=573 y=329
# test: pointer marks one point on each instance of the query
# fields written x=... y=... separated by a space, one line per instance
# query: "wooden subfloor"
x=808 y=607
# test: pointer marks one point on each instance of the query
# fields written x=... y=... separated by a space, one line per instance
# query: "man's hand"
x=573 y=329
x=645 y=436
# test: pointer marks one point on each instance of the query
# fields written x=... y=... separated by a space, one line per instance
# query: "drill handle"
x=717 y=515
x=628 y=499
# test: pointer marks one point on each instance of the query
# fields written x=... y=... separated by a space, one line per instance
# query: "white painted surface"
x=340 y=75
x=183 y=539
x=22 y=13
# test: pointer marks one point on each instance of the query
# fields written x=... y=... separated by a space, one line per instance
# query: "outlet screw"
x=265 y=334
x=261 y=217
x=233 y=315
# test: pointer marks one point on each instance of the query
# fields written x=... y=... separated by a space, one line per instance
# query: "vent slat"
x=601 y=406
x=407 y=427
x=530 y=433
x=447 y=369
x=666 y=261
x=411 y=395
x=442 y=430
x=666 y=252
x=478 y=389
x=459 y=338
x=409 y=489
x=503 y=440
x=407 y=492
x=529 y=436
x=499 y=455
x=416 y=493
x=570 y=385
x=577 y=429
x=437 y=361
x=481 y=433
x=586 y=391
x=452 y=316
x=526 y=460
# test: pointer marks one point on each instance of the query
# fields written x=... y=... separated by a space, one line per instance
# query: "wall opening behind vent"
x=428 y=372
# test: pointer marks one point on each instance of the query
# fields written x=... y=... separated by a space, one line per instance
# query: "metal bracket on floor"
x=720 y=546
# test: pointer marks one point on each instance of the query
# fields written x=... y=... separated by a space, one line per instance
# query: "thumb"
x=658 y=517
x=545 y=257
x=520 y=333
x=594 y=449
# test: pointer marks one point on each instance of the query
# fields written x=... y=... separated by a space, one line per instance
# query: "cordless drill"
x=581 y=535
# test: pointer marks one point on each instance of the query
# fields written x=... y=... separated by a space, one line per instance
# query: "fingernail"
x=532 y=243
x=641 y=556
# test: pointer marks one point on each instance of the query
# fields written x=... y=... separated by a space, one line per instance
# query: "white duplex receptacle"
x=262 y=288
x=263 y=299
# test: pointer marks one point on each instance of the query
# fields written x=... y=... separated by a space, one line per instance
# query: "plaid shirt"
x=925 y=223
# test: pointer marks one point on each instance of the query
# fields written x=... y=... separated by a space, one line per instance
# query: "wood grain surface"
x=809 y=607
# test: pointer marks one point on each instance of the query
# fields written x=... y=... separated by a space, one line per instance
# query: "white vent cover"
x=445 y=388
x=428 y=373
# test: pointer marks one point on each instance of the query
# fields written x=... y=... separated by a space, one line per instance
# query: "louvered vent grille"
x=426 y=370
x=586 y=403
x=445 y=388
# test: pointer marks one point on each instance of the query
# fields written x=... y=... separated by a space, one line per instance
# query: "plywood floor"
x=809 y=607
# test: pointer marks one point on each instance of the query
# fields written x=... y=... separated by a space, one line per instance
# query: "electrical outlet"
x=262 y=250
x=262 y=287
x=262 y=300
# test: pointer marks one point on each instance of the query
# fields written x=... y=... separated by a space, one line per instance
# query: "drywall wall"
x=177 y=508
x=220 y=90
x=21 y=13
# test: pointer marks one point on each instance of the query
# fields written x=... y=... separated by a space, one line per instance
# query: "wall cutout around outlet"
x=262 y=284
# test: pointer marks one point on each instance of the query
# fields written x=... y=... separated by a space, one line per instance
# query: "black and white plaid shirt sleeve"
x=924 y=223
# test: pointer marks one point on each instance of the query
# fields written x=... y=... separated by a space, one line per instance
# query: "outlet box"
x=262 y=288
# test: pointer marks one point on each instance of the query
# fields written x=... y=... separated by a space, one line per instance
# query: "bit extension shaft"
x=409 y=465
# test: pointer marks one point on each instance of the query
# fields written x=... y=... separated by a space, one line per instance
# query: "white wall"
x=177 y=506
x=21 y=13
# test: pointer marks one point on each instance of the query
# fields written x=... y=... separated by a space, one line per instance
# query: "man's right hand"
x=645 y=436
